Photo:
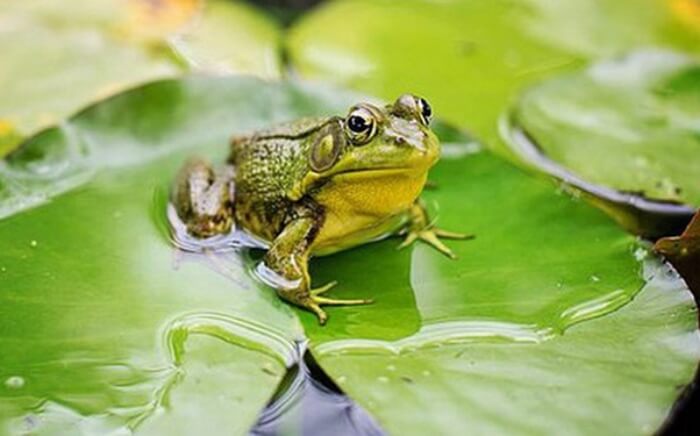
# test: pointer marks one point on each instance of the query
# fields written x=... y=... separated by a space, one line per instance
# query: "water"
x=310 y=403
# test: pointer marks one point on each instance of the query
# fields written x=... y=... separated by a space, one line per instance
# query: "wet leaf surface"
x=630 y=124
x=104 y=324
x=596 y=378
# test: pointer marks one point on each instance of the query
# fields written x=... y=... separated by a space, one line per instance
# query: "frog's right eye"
x=360 y=126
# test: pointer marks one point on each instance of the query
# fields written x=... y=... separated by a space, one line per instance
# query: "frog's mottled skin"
x=316 y=186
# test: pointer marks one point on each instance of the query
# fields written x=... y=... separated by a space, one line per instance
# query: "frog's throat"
x=311 y=179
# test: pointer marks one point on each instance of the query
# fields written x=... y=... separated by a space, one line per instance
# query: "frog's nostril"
x=400 y=140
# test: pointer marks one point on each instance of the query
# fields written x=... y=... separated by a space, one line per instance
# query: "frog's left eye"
x=426 y=112
x=360 y=126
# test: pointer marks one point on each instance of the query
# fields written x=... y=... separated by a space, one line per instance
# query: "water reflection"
x=309 y=403
x=180 y=238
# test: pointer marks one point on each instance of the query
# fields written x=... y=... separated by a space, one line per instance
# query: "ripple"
x=437 y=334
x=230 y=329
x=180 y=238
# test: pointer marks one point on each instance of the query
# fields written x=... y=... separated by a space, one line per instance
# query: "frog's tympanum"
x=316 y=186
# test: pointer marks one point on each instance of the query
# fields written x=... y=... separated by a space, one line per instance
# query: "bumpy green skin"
x=316 y=186
x=268 y=166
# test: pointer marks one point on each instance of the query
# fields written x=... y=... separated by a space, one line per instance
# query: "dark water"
x=309 y=403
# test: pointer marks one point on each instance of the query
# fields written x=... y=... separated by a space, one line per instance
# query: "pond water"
x=310 y=403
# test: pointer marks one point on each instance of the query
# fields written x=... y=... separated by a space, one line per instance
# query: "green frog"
x=315 y=186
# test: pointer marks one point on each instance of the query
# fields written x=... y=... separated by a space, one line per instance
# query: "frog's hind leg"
x=288 y=259
x=420 y=228
x=204 y=198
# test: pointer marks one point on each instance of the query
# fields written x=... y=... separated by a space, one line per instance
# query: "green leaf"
x=617 y=374
x=104 y=325
x=470 y=57
x=72 y=53
x=630 y=124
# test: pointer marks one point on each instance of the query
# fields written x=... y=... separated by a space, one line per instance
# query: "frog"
x=316 y=186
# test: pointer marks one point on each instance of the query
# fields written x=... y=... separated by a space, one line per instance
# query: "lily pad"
x=104 y=325
x=607 y=376
x=627 y=124
x=471 y=57
x=60 y=56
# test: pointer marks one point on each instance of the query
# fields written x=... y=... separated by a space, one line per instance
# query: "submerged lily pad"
x=629 y=124
x=470 y=56
x=60 y=56
x=105 y=325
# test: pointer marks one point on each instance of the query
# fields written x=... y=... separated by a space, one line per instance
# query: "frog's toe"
x=337 y=302
x=324 y=288
x=314 y=302
x=432 y=237
x=408 y=240
x=316 y=309
x=452 y=235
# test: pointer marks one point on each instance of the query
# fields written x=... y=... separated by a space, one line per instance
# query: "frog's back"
x=267 y=165
x=272 y=159
x=292 y=129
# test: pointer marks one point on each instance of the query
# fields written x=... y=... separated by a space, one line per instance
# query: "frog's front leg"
x=288 y=258
x=203 y=198
x=419 y=227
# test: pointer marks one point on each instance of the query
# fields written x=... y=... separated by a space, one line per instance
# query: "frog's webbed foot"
x=432 y=236
x=314 y=301
x=288 y=259
x=420 y=229
x=203 y=198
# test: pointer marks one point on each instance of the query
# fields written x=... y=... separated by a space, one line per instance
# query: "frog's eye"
x=426 y=112
x=360 y=126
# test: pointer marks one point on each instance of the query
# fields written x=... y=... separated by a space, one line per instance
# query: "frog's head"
x=370 y=139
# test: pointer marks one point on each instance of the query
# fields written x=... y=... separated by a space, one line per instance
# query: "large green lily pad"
x=60 y=56
x=105 y=325
x=469 y=56
x=630 y=124
x=595 y=379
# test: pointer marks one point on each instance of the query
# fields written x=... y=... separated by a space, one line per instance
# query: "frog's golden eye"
x=426 y=112
x=360 y=126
